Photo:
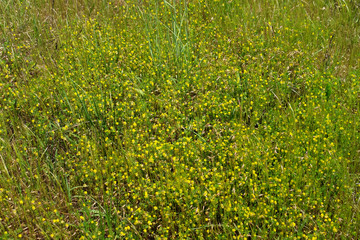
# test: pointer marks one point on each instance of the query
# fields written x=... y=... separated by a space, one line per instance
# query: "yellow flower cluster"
x=179 y=120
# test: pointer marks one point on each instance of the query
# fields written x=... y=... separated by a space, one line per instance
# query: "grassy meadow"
x=179 y=119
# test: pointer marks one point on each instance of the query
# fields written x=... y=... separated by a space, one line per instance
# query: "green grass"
x=179 y=119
